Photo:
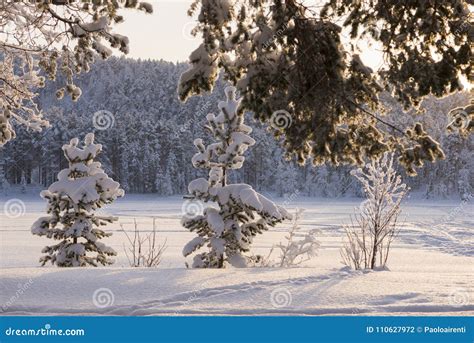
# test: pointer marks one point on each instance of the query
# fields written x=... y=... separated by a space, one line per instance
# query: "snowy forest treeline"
x=148 y=138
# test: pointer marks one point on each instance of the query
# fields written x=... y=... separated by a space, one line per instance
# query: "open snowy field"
x=431 y=267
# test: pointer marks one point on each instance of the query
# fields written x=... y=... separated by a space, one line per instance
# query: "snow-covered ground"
x=431 y=267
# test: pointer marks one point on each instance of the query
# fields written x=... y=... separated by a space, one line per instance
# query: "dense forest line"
x=147 y=134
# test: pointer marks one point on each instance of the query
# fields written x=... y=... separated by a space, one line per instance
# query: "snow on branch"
x=375 y=226
x=238 y=213
x=38 y=38
x=81 y=189
x=297 y=248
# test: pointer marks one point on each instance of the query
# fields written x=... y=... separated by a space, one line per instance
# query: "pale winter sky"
x=166 y=33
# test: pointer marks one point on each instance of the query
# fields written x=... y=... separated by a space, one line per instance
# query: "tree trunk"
x=374 y=253
x=224 y=182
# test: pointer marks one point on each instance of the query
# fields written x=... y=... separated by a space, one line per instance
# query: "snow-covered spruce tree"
x=375 y=226
x=228 y=228
x=72 y=200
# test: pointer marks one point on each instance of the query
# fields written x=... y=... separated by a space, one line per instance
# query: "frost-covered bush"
x=373 y=228
x=238 y=213
x=297 y=248
x=81 y=189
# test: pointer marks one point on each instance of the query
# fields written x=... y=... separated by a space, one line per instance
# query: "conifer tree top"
x=84 y=182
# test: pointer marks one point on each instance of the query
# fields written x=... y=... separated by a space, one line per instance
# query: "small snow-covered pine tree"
x=80 y=190
x=238 y=214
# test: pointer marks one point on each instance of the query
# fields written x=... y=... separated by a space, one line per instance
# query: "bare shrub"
x=143 y=250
